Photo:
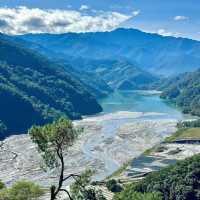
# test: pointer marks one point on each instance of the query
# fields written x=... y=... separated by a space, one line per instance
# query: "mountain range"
x=44 y=76
x=154 y=53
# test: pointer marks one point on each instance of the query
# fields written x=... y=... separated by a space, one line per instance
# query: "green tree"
x=137 y=196
x=82 y=188
x=52 y=140
x=2 y=185
x=21 y=190
x=113 y=186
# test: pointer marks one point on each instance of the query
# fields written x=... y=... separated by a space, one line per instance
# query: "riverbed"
x=131 y=122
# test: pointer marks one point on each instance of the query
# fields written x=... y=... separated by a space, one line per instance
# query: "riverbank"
x=182 y=144
x=107 y=142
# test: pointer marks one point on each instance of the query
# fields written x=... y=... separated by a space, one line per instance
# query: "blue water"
x=131 y=101
x=138 y=101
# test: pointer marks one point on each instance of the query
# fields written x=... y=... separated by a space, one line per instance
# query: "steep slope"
x=35 y=91
x=184 y=90
x=95 y=84
x=152 y=52
x=118 y=74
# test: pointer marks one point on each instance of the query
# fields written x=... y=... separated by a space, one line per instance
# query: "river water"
x=130 y=123
x=138 y=101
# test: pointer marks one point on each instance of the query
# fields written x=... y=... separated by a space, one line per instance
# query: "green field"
x=190 y=133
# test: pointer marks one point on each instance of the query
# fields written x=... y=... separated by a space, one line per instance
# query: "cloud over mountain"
x=22 y=20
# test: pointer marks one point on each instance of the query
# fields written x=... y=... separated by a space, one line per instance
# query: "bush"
x=2 y=185
x=137 y=196
x=113 y=186
x=22 y=190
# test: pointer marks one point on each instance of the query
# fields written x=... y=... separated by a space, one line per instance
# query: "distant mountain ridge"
x=118 y=74
x=154 y=53
x=34 y=90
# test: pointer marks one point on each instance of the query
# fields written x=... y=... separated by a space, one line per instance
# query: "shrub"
x=22 y=190
x=113 y=186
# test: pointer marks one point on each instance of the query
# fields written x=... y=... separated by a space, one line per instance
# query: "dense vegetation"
x=184 y=91
x=189 y=124
x=113 y=186
x=118 y=74
x=176 y=182
x=130 y=195
x=91 y=80
x=35 y=91
x=152 y=52
x=21 y=190
x=189 y=129
x=184 y=133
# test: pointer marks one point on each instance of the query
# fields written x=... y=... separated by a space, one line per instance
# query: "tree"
x=113 y=186
x=1 y=185
x=137 y=196
x=52 y=140
x=82 y=188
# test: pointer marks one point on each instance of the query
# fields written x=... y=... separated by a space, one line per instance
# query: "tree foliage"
x=184 y=91
x=82 y=189
x=137 y=196
x=53 y=140
x=176 y=182
x=113 y=186
x=21 y=190
x=37 y=89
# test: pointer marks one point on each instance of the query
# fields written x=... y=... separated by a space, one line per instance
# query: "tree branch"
x=71 y=176
x=67 y=193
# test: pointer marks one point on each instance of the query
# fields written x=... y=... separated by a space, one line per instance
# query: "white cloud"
x=84 y=7
x=164 y=32
x=136 y=12
x=24 y=20
x=180 y=18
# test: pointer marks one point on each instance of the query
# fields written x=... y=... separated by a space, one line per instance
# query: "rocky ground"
x=106 y=143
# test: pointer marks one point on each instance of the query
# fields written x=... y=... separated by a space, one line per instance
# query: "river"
x=130 y=123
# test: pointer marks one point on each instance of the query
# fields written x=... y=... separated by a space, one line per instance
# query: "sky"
x=179 y=18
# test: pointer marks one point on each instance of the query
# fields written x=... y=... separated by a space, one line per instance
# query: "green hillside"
x=35 y=91
x=176 y=182
x=184 y=91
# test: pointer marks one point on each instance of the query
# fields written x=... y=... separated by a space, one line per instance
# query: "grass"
x=148 y=151
x=120 y=170
x=190 y=133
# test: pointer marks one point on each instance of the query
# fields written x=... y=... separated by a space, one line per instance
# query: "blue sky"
x=166 y=17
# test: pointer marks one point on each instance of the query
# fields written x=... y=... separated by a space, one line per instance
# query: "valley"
x=126 y=95
x=130 y=123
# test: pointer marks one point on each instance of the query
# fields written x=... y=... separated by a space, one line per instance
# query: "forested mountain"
x=118 y=74
x=152 y=52
x=34 y=91
x=99 y=75
x=184 y=90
